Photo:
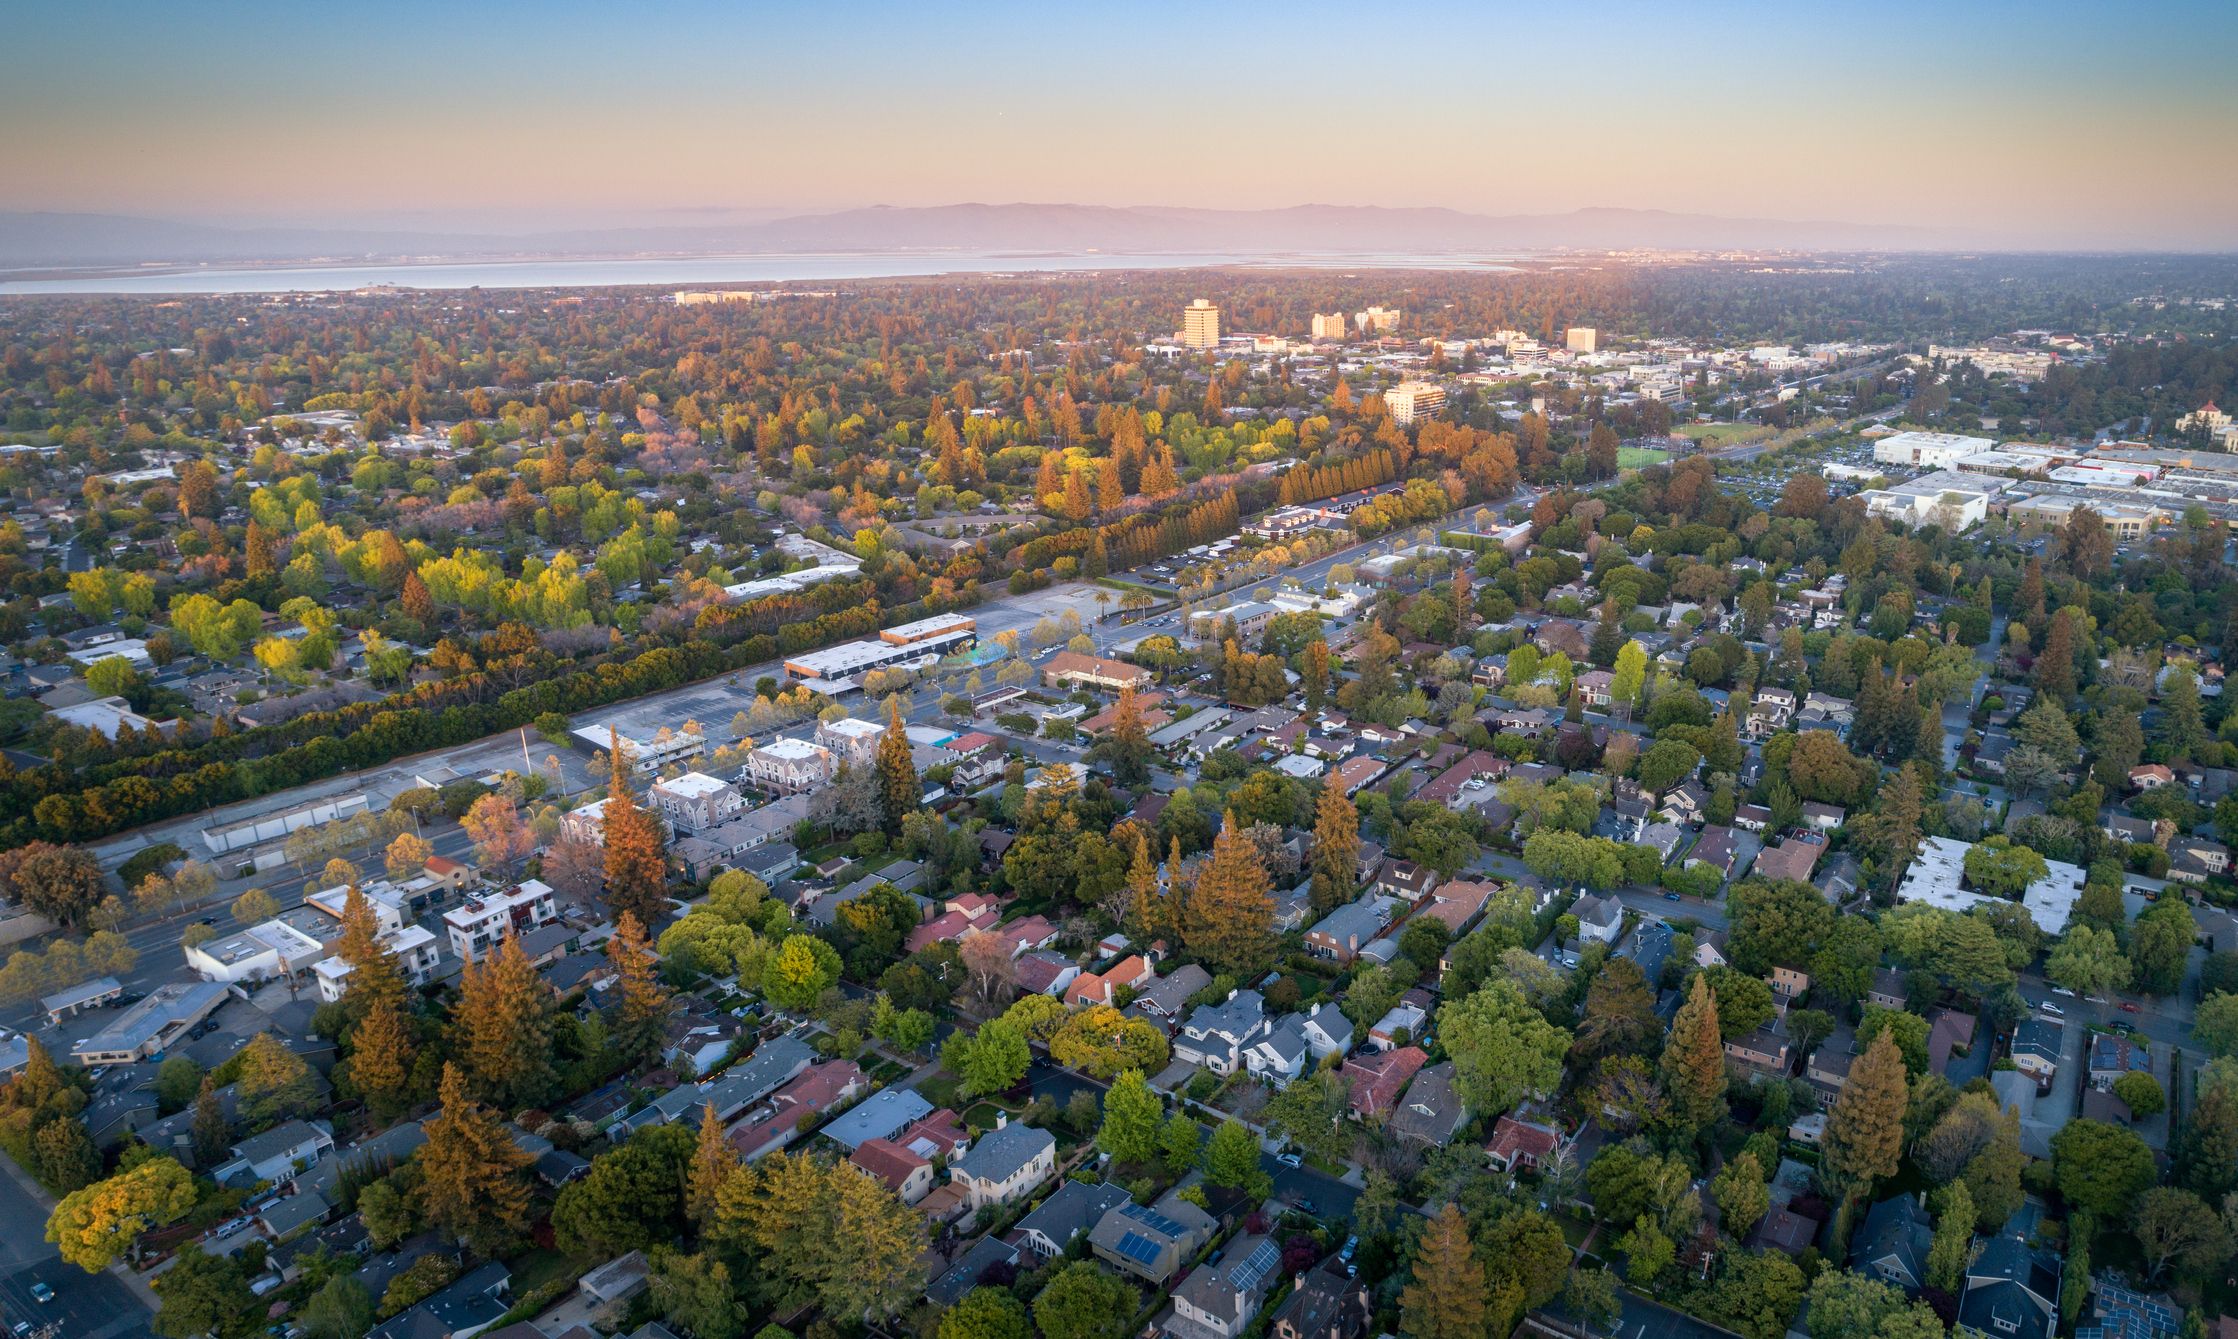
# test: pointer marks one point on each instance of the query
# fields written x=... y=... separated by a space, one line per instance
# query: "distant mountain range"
x=76 y=240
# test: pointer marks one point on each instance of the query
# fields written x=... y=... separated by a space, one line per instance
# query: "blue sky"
x=2037 y=121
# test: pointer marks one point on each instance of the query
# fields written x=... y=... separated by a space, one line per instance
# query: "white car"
x=1290 y=1160
x=2054 y=1010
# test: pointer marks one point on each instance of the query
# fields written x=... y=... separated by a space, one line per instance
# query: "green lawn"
x=1719 y=434
x=1639 y=457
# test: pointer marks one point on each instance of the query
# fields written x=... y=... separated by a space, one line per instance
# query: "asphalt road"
x=1331 y=1199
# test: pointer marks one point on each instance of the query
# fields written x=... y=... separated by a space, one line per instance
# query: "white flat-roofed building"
x=1928 y=450
x=1581 y=339
x=131 y=650
x=851 y=739
x=477 y=928
x=789 y=766
x=260 y=953
x=104 y=715
x=695 y=801
x=1937 y=876
x=414 y=947
x=928 y=629
x=391 y=905
x=1410 y=401
x=646 y=757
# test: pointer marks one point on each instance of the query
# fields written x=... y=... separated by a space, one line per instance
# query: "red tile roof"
x=1377 y=1080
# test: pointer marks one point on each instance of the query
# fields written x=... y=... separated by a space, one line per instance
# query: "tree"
x=2160 y=943
x=1449 y=1296
x=1756 y=1296
x=1311 y=1113
x=61 y=883
x=1131 y=1112
x=641 y=1016
x=503 y=1028
x=1081 y=1301
x=474 y=1184
x=254 y=907
x=1744 y=1003
x=711 y=1165
x=494 y=824
x=1856 y=1306
x=211 y=1132
x=899 y=792
x=1947 y=1255
x=274 y=1084
x=1694 y=1059
x=1336 y=846
x=2206 y=1144
x=695 y=1293
x=2141 y=1093
x=1229 y=915
x=94 y=1226
x=373 y=978
x=64 y=1157
x=1503 y=1049
x=382 y=1050
x=1741 y=1194
x=340 y=1310
x=1998 y=867
x=826 y=1234
x=632 y=1197
x=2054 y=672
x=636 y=863
x=1775 y=922
x=1127 y=744
x=1907 y=1030
x=2176 y=1226
x=2088 y=961
x=1865 y=1130
x=800 y=971
x=986 y=1313
x=1231 y=1160
x=2100 y=1167
x=205 y=1294
x=989 y=1060
x=407 y=856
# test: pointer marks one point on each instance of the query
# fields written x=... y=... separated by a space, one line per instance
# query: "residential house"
x=1279 y=1053
x=1377 y=1080
x=1522 y=1143
x=1151 y=1243
x=696 y=802
x=1327 y=1031
x=1342 y=933
x=1887 y=990
x=277 y=1156
x=1765 y=1050
x=1788 y=985
x=792 y=1109
x=2011 y=1290
x=1215 y=1034
x=469 y=1306
x=1716 y=848
x=2112 y=1055
x=1770 y=713
x=1219 y=1300
x=1163 y=999
x=2151 y=776
x=881 y=1115
x=1599 y=918
x=906 y=1172
x=1432 y=1111
x=1101 y=987
x=1324 y=1304
x=1793 y=859
x=1687 y=803
x=2196 y=859
x=1892 y=1243
x=1405 y=879
x=1950 y=1034
x=1823 y=817
x=1403 y=1022
x=1005 y=1164
x=1073 y=1208
x=2036 y=1043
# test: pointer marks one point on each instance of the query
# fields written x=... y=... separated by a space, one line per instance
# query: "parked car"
x=2054 y=1010
x=2130 y=1007
x=1671 y=897
x=1290 y=1160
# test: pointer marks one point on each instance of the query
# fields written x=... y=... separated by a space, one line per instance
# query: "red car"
x=2130 y=1007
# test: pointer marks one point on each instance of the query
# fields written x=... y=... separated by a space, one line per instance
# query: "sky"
x=2032 y=123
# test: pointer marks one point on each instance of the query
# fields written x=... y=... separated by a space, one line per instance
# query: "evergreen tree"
x=473 y=1182
x=1229 y=918
x=503 y=1028
x=1449 y=1296
x=712 y=1163
x=636 y=863
x=641 y=1018
x=1314 y=671
x=1865 y=1130
x=2054 y=673
x=212 y=1132
x=1144 y=913
x=381 y=1054
x=899 y=793
x=1128 y=744
x=373 y=977
x=1954 y=1239
x=1336 y=847
x=1694 y=1059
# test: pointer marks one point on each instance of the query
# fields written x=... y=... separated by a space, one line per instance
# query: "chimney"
x=1002 y=1118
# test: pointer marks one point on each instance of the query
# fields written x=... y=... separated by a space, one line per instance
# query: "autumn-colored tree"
x=1229 y=919
x=826 y=1234
x=273 y=1084
x=94 y=1226
x=407 y=856
x=1694 y=1059
x=2055 y=664
x=1449 y=1295
x=1865 y=1130
x=713 y=1161
x=494 y=824
x=1128 y=742
x=899 y=792
x=381 y=1053
x=1314 y=671
x=1336 y=847
x=418 y=604
x=373 y=977
x=473 y=1176
x=641 y=1018
x=636 y=864
x=1145 y=909
x=503 y=1028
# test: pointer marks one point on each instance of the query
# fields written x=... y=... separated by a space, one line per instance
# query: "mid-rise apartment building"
x=1200 y=325
x=478 y=927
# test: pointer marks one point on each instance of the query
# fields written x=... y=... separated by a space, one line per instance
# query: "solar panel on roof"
x=1139 y=1248
x=1262 y=1260
x=1155 y=1221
